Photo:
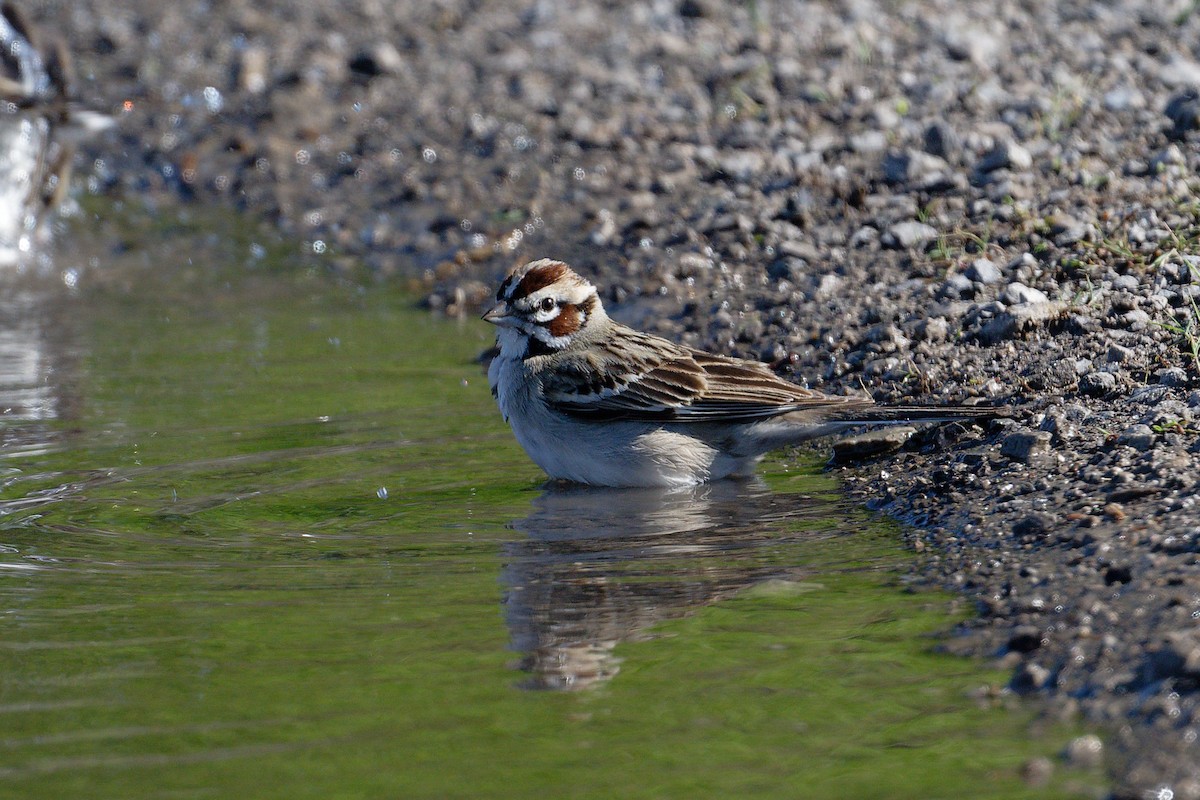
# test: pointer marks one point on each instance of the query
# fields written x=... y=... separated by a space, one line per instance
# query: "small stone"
x=694 y=9
x=985 y=271
x=1098 y=384
x=1177 y=655
x=1085 y=752
x=1016 y=293
x=957 y=287
x=1025 y=639
x=934 y=329
x=869 y=142
x=1184 y=112
x=1032 y=527
x=1173 y=376
x=1139 y=437
x=942 y=140
x=1006 y=155
x=1030 y=677
x=1125 y=283
x=1114 y=511
x=1118 y=354
x=1117 y=574
x=1037 y=771
x=1026 y=445
x=872 y=443
x=1020 y=319
x=907 y=234
x=1123 y=98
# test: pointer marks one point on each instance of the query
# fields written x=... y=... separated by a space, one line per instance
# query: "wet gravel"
x=945 y=201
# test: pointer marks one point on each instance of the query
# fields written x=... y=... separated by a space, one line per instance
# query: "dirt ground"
x=944 y=201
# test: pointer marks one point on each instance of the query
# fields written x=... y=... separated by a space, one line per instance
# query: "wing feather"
x=639 y=376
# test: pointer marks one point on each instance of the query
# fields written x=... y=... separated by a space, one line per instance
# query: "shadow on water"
x=601 y=566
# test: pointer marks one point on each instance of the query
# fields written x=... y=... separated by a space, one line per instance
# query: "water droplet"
x=382 y=493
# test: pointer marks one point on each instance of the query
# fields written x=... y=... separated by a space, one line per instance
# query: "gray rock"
x=1006 y=155
x=1123 y=98
x=908 y=234
x=958 y=287
x=934 y=329
x=1098 y=384
x=872 y=443
x=1016 y=293
x=1024 y=446
x=1177 y=655
x=1020 y=319
x=1067 y=230
x=1125 y=283
x=985 y=271
x=1149 y=395
x=1030 y=677
x=1173 y=376
x=1184 y=112
x=1118 y=354
x=869 y=142
x=942 y=140
x=1085 y=752
x=1139 y=437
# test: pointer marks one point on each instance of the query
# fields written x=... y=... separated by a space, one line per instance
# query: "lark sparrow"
x=594 y=401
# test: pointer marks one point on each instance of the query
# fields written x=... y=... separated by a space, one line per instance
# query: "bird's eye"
x=547 y=303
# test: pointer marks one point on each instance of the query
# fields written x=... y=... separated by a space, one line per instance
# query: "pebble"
x=1139 y=437
x=871 y=444
x=1024 y=446
x=1016 y=293
x=985 y=271
x=1006 y=155
x=1085 y=752
x=1098 y=384
x=908 y=234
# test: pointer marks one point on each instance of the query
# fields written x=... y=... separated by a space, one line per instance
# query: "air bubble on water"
x=257 y=251
x=429 y=154
x=303 y=157
x=318 y=246
x=70 y=277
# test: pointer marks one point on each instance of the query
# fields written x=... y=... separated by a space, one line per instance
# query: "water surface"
x=263 y=533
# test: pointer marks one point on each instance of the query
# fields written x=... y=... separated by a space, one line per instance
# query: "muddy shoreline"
x=931 y=202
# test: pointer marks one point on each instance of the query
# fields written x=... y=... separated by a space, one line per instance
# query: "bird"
x=592 y=401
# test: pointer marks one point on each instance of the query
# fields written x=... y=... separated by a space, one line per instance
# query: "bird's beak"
x=498 y=315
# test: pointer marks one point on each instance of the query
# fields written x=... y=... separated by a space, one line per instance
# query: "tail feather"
x=883 y=415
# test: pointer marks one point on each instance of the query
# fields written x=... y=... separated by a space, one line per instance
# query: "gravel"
x=948 y=201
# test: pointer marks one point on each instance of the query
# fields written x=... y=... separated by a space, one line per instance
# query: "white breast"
x=612 y=453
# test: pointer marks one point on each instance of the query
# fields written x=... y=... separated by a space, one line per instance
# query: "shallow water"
x=263 y=532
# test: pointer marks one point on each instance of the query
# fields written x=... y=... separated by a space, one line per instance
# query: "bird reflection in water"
x=600 y=566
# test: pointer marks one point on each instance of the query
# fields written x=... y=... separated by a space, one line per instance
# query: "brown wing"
x=639 y=376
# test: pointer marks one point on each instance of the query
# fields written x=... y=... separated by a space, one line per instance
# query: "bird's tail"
x=885 y=415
